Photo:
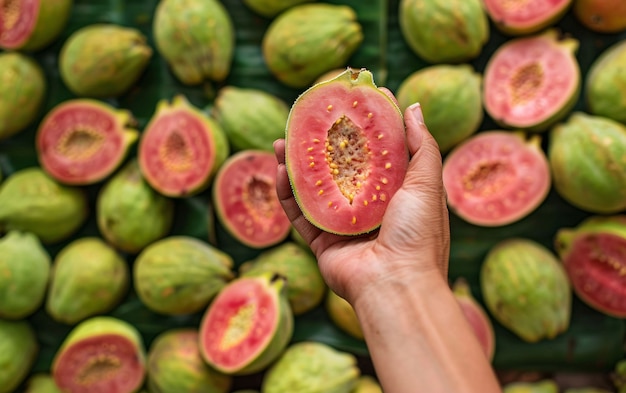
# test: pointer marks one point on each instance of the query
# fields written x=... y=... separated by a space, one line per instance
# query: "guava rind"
x=251 y=118
x=438 y=88
x=594 y=264
x=476 y=316
x=89 y=277
x=585 y=155
x=130 y=214
x=451 y=31
x=83 y=141
x=196 y=38
x=41 y=382
x=103 y=60
x=181 y=162
x=18 y=351
x=603 y=93
x=367 y=384
x=50 y=20
x=509 y=278
x=535 y=104
x=351 y=96
x=105 y=338
x=343 y=315
x=180 y=275
x=312 y=367
x=245 y=199
x=25 y=266
x=542 y=386
x=602 y=16
x=32 y=201
x=513 y=20
x=22 y=94
x=271 y=8
x=175 y=365
x=307 y=40
x=305 y=288
x=496 y=177
x=267 y=296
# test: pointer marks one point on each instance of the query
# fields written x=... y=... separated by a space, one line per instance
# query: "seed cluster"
x=174 y=152
x=79 y=143
x=238 y=327
x=100 y=367
x=525 y=82
x=485 y=178
x=10 y=13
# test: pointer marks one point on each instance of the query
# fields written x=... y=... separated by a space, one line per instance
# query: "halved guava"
x=532 y=82
x=181 y=149
x=247 y=326
x=83 y=141
x=346 y=153
x=100 y=355
x=594 y=257
x=245 y=199
x=32 y=24
x=496 y=177
x=525 y=16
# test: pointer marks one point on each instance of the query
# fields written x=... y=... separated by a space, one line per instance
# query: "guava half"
x=181 y=149
x=532 y=82
x=526 y=16
x=346 y=153
x=496 y=177
x=83 y=141
x=245 y=199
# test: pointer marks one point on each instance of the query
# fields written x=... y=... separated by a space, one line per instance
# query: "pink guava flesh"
x=79 y=143
x=365 y=129
x=525 y=14
x=102 y=364
x=246 y=199
x=177 y=153
x=596 y=265
x=239 y=324
x=17 y=21
x=528 y=81
x=495 y=178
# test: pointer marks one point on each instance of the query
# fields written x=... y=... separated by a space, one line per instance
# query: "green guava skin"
x=604 y=83
x=271 y=8
x=19 y=349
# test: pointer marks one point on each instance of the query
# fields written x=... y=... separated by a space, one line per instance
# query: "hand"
x=414 y=238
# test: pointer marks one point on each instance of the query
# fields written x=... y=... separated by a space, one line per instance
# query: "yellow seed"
x=333 y=165
x=330 y=148
x=320 y=192
x=311 y=158
x=353 y=220
x=354 y=104
x=343 y=144
x=369 y=115
x=335 y=171
x=380 y=136
x=385 y=152
x=383 y=197
x=358 y=184
x=318 y=183
x=338 y=121
x=377 y=187
x=309 y=149
x=365 y=202
x=374 y=197
x=351 y=197
x=388 y=165
x=384 y=180
x=330 y=203
x=329 y=108
x=316 y=140
x=311 y=164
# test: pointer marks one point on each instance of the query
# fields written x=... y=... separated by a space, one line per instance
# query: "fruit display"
x=143 y=247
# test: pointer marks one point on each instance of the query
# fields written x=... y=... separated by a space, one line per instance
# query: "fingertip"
x=415 y=127
x=279 y=150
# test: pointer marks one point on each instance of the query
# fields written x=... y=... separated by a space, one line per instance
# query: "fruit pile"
x=142 y=243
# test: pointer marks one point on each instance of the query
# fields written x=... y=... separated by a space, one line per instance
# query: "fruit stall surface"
x=593 y=342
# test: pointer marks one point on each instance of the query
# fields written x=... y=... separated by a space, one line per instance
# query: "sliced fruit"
x=525 y=16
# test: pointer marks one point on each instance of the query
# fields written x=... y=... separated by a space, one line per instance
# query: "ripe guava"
x=19 y=349
x=532 y=82
x=342 y=314
x=346 y=153
x=594 y=258
x=30 y=25
x=247 y=326
x=602 y=16
x=604 y=92
x=83 y=141
x=271 y=8
x=245 y=199
x=496 y=178
x=181 y=148
x=525 y=17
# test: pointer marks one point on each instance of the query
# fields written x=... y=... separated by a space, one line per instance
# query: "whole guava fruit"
x=603 y=93
x=345 y=166
x=618 y=376
x=307 y=40
x=586 y=160
x=251 y=118
x=342 y=314
x=180 y=274
x=100 y=354
x=305 y=285
x=41 y=382
x=444 y=31
x=196 y=38
x=22 y=94
x=19 y=349
x=438 y=88
x=312 y=367
x=32 y=25
x=32 y=201
x=130 y=213
x=602 y=16
x=175 y=365
x=367 y=384
x=103 y=60
x=89 y=277
x=542 y=386
x=271 y=8
x=24 y=274
x=526 y=289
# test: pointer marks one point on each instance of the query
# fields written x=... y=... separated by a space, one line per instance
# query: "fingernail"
x=416 y=111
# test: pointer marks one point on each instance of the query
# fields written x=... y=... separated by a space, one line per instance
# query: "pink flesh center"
x=239 y=324
x=600 y=273
x=106 y=363
x=175 y=153
x=347 y=156
x=488 y=178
